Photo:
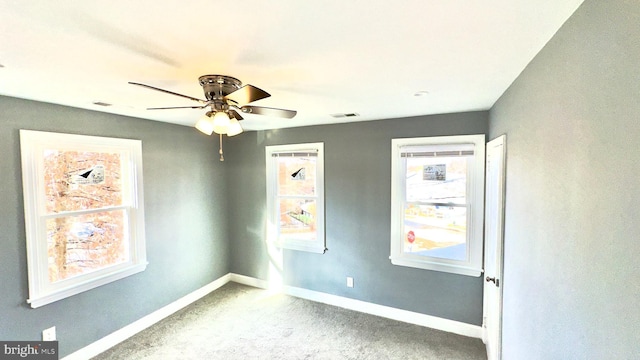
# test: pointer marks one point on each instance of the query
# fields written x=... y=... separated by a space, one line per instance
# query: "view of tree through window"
x=83 y=210
x=81 y=239
x=435 y=213
x=296 y=196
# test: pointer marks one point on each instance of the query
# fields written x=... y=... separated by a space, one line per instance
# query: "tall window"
x=83 y=212
x=295 y=196
x=437 y=203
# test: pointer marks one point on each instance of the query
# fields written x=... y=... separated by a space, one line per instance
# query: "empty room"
x=320 y=180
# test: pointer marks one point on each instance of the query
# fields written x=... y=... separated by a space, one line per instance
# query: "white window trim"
x=33 y=144
x=475 y=184
x=319 y=245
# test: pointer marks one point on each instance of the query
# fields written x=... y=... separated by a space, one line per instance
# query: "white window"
x=295 y=196
x=84 y=215
x=437 y=195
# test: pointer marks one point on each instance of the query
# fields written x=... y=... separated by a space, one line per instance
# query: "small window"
x=84 y=214
x=295 y=196
x=437 y=203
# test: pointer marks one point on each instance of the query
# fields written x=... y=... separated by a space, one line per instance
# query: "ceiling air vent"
x=345 y=115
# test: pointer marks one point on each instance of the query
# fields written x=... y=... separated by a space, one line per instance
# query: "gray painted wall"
x=572 y=119
x=357 y=193
x=185 y=217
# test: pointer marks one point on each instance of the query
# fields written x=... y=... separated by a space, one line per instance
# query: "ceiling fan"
x=227 y=98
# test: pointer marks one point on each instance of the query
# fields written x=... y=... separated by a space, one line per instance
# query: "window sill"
x=317 y=248
x=437 y=266
x=73 y=289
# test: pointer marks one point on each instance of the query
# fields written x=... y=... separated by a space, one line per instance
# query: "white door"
x=494 y=225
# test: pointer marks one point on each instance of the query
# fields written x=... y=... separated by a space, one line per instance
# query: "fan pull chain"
x=221 y=154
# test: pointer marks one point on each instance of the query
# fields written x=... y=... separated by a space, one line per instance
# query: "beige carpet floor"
x=241 y=322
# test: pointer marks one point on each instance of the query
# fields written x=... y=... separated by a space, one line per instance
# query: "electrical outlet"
x=49 y=334
x=349 y=281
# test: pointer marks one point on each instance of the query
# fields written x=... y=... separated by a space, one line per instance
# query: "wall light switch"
x=349 y=281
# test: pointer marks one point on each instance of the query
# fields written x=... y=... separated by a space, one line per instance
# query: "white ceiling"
x=368 y=57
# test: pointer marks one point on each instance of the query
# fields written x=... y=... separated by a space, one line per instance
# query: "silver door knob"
x=493 y=280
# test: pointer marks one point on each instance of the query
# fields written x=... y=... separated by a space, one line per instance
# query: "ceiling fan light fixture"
x=205 y=124
x=224 y=95
x=234 y=127
x=221 y=122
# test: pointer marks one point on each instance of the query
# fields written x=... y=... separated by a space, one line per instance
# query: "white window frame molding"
x=475 y=220
x=319 y=244
x=32 y=145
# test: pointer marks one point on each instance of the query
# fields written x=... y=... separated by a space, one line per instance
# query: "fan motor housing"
x=218 y=86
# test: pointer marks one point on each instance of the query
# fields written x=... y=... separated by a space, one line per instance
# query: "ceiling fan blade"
x=168 y=92
x=247 y=94
x=235 y=114
x=268 y=111
x=179 y=107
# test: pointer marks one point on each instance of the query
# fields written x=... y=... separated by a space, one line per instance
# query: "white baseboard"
x=128 y=331
x=249 y=281
x=410 y=317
